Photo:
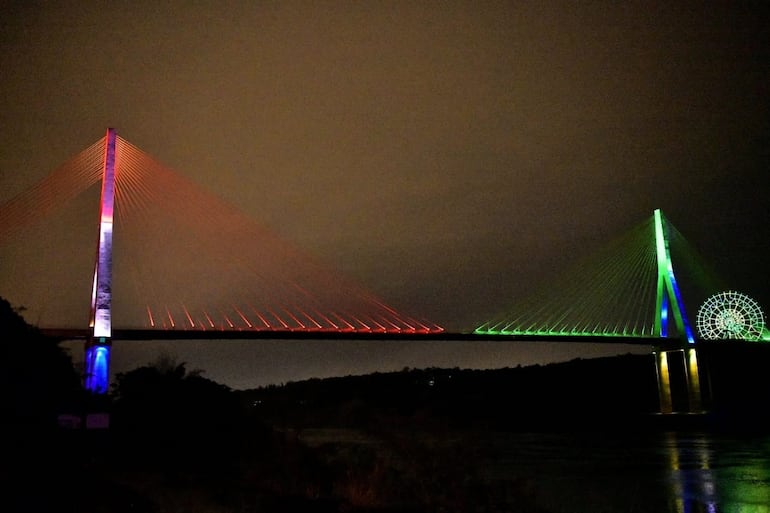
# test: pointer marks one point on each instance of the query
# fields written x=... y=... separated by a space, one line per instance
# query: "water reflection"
x=711 y=474
x=660 y=472
x=692 y=480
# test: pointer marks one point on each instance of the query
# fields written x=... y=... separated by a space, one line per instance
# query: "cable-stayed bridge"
x=174 y=261
x=185 y=260
x=627 y=288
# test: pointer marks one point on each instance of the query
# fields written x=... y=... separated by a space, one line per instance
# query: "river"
x=662 y=472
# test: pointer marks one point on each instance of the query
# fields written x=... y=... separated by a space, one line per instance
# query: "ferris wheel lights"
x=731 y=315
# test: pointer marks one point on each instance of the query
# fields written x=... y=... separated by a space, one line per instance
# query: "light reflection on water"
x=662 y=473
x=719 y=474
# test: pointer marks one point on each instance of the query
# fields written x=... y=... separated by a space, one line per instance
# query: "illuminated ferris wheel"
x=730 y=315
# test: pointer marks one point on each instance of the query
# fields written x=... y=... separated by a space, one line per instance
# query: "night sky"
x=449 y=156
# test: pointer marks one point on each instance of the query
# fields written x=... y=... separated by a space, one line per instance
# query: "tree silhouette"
x=164 y=415
x=37 y=378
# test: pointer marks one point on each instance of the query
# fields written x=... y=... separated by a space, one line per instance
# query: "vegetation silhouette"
x=37 y=378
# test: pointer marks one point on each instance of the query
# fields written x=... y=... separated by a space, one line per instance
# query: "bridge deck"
x=154 y=334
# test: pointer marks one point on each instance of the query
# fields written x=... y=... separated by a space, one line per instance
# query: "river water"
x=662 y=472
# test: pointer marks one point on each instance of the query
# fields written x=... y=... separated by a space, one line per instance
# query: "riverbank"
x=620 y=392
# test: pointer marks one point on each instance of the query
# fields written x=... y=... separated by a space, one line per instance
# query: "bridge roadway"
x=159 y=334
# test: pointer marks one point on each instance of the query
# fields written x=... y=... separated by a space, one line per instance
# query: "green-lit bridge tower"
x=669 y=303
x=669 y=298
x=626 y=289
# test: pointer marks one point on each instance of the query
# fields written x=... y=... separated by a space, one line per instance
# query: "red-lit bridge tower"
x=97 y=349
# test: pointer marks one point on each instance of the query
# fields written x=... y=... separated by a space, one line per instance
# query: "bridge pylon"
x=669 y=297
x=97 y=348
x=669 y=304
x=678 y=374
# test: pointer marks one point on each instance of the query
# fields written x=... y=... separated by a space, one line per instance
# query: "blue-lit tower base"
x=97 y=356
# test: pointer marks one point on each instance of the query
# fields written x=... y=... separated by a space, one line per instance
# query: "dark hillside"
x=599 y=393
x=575 y=394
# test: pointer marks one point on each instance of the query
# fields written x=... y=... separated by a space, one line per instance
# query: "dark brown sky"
x=447 y=155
